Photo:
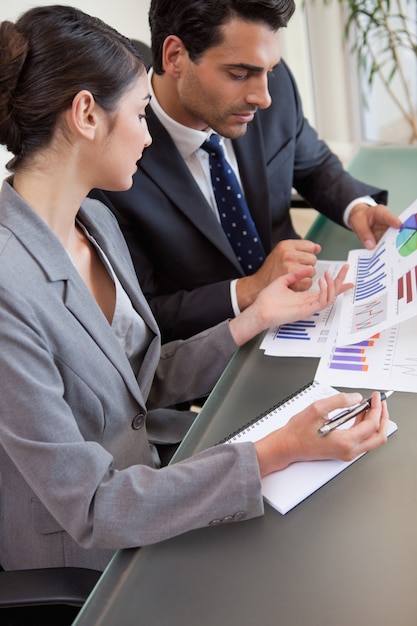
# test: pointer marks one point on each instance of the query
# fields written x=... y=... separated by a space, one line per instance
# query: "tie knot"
x=213 y=145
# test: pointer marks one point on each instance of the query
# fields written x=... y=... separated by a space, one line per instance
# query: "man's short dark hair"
x=198 y=23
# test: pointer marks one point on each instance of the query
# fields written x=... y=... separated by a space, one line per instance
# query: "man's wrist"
x=363 y=200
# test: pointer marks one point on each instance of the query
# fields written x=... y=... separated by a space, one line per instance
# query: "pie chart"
x=406 y=241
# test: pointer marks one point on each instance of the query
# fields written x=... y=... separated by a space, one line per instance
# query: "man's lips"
x=245 y=116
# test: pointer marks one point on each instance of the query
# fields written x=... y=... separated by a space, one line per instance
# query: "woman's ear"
x=84 y=114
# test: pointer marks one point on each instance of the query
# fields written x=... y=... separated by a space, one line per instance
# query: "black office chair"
x=43 y=596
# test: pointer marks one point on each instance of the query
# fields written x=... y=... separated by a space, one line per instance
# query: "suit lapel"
x=44 y=246
x=83 y=307
x=118 y=258
x=162 y=161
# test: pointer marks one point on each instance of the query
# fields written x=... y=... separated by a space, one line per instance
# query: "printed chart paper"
x=385 y=280
x=385 y=360
x=304 y=337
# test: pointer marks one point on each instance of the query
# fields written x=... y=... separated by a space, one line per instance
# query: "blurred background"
x=357 y=87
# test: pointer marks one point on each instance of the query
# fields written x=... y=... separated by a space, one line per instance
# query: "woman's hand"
x=287 y=256
x=279 y=304
x=299 y=440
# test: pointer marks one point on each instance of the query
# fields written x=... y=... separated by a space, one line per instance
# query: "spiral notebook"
x=288 y=487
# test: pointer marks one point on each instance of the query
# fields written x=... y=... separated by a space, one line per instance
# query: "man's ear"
x=84 y=114
x=173 y=55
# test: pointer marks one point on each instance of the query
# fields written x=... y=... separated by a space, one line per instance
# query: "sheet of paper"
x=305 y=337
x=386 y=360
x=288 y=487
x=385 y=292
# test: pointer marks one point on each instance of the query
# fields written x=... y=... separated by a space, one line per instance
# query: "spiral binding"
x=266 y=414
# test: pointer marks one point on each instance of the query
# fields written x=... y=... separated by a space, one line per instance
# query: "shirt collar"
x=187 y=140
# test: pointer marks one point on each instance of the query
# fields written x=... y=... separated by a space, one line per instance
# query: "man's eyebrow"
x=147 y=98
x=245 y=66
x=248 y=67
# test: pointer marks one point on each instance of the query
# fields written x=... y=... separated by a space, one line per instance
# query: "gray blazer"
x=77 y=476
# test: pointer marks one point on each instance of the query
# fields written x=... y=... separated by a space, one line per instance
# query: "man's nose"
x=260 y=95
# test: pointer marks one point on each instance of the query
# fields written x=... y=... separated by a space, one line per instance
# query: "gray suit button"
x=138 y=421
x=215 y=522
x=239 y=515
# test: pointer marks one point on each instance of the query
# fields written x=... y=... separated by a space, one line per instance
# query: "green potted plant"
x=383 y=36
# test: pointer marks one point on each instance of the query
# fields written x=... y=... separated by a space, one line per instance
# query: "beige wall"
x=130 y=17
x=325 y=105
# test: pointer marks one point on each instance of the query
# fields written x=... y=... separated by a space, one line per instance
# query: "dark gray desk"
x=347 y=555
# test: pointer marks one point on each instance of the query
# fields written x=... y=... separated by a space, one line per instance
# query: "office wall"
x=130 y=17
x=323 y=104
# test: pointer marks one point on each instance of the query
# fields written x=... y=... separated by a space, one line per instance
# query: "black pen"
x=349 y=414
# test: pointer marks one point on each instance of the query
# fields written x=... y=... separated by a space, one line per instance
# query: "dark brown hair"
x=198 y=23
x=48 y=56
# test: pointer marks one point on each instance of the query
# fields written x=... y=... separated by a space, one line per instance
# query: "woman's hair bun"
x=48 y=56
x=13 y=52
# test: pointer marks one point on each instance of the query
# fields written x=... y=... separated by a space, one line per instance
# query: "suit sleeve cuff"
x=233 y=297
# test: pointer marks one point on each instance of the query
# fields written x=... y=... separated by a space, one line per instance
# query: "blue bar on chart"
x=300 y=330
x=353 y=357
x=371 y=275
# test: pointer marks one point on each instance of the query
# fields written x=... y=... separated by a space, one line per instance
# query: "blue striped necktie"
x=233 y=210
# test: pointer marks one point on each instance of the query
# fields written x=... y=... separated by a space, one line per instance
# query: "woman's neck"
x=54 y=196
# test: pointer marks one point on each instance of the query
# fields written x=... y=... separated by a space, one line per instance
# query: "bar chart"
x=301 y=338
x=304 y=337
x=385 y=279
x=371 y=277
x=407 y=289
x=387 y=360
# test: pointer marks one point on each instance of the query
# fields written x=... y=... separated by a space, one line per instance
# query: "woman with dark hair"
x=84 y=379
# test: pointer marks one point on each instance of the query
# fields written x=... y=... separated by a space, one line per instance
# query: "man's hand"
x=288 y=256
x=370 y=223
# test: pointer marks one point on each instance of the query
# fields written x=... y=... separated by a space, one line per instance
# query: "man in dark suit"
x=217 y=67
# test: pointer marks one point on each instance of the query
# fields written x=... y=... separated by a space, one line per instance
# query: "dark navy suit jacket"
x=182 y=257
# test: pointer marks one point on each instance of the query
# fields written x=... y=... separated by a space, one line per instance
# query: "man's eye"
x=239 y=76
